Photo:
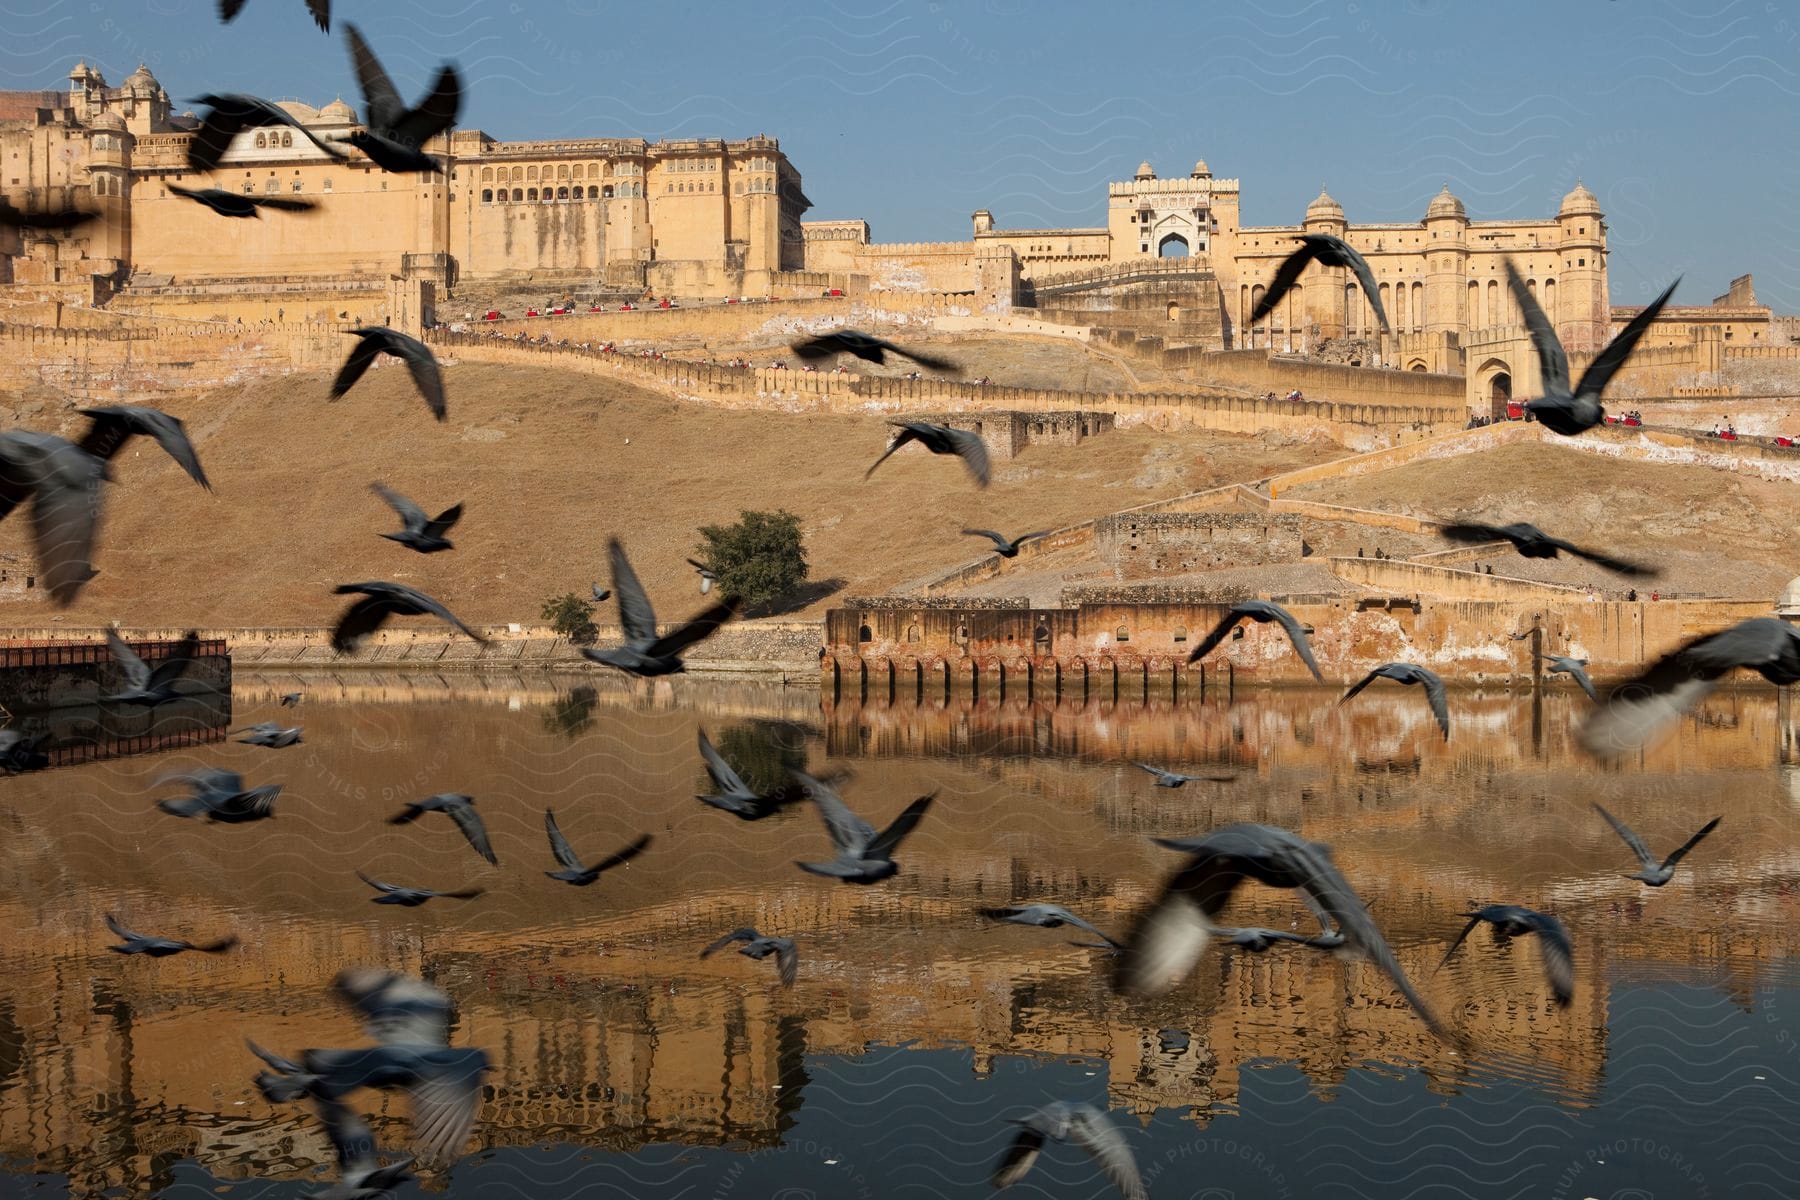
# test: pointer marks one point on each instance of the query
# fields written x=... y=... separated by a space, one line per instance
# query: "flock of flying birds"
x=409 y=1020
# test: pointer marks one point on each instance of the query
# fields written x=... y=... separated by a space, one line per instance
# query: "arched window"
x=1180 y=634
x=562 y=171
x=546 y=197
x=1473 y=316
x=562 y=193
x=487 y=195
x=487 y=174
x=1550 y=300
x=1121 y=634
x=518 y=195
x=262 y=140
x=1418 y=307
x=606 y=193
x=518 y=176
x=863 y=633
x=530 y=174
x=1494 y=313
x=912 y=633
x=287 y=138
x=593 y=192
x=580 y=170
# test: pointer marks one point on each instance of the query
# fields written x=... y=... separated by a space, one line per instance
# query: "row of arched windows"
x=561 y=171
x=106 y=185
x=275 y=140
x=1489 y=303
x=546 y=195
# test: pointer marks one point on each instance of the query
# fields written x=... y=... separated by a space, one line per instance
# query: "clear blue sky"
x=1679 y=114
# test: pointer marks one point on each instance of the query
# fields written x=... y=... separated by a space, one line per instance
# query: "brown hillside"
x=541 y=460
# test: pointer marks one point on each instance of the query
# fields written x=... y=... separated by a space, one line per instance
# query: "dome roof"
x=1445 y=204
x=1579 y=203
x=107 y=120
x=1789 y=601
x=1324 y=208
x=1201 y=170
x=303 y=113
x=141 y=80
x=338 y=113
x=1144 y=171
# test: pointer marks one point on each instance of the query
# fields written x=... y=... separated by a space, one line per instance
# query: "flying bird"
x=644 y=653
x=143 y=685
x=1002 y=547
x=866 y=347
x=380 y=601
x=289 y=699
x=708 y=576
x=757 y=946
x=1171 y=934
x=572 y=871
x=1081 y=1125
x=1262 y=612
x=1260 y=941
x=941 y=439
x=1562 y=409
x=394 y=133
x=410 y=897
x=410 y=1022
x=229 y=115
x=65 y=478
x=1574 y=668
x=422 y=533
x=734 y=795
x=1635 y=711
x=239 y=204
x=1175 y=779
x=1044 y=916
x=1409 y=674
x=1327 y=251
x=1653 y=873
x=360 y=1173
x=220 y=796
x=600 y=594
x=161 y=947
x=66 y=219
x=421 y=364
x=1510 y=921
x=863 y=856
x=270 y=734
x=1532 y=542
x=320 y=10
x=461 y=809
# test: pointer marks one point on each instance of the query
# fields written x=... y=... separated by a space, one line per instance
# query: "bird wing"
x=1168 y=938
x=359 y=620
x=819 y=347
x=1680 y=852
x=438 y=610
x=444 y=1104
x=1071 y=919
x=469 y=821
x=435 y=114
x=1225 y=625
x=973 y=451
x=258 y=802
x=1606 y=364
x=1156 y=771
x=439 y=525
x=1434 y=692
x=1580 y=676
x=1360 y=684
x=929 y=361
x=1019 y=1157
x=996 y=538
x=1618 y=565
x=219 y=947
x=381 y=99
x=422 y=365
x=890 y=838
x=113 y=426
x=137 y=674
x=723 y=777
x=906 y=434
x=378 y=885
x=849 y=832
x=1286 y=276
x=1460 y=939
x=1637 y=710
x=397 y=1010
x=1631 y=838
x=559 y=845
x=321 y=13
x=352 y=1139
x=411 y=515
x=1553 y=364
x=787 y=961
x=119 y=930
x=283 y=203
x=1365 y=277
x=697 y=629
x=1297 y=635
x=623 y=856
x=744 y=934
x=1090 y=1130
x=1559 y=957
x=635 y=613
x=229 y=9
x=355 y=366
x=65 y=518
x=172 y=668
x=1472 y=533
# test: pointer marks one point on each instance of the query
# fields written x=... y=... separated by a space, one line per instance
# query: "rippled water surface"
x=626 y=1066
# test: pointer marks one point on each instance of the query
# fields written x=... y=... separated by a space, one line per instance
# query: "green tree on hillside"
x=571 y=617
x=759 y=559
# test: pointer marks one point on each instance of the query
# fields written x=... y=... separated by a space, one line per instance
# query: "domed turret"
x=141 y=82
x=337 y=113
x=1201 y=170
x=1144 y=171
x=1579 y=203
x=1445 y=204
x=1788 y=603
x=1324 y=209
x=111 y=122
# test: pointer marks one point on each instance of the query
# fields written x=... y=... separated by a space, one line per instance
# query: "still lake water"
x=627 y=1067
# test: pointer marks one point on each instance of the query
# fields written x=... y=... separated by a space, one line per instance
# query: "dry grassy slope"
x=541 y=460
x=1714 y=532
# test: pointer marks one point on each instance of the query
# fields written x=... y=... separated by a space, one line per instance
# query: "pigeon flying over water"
x=941 y=439
x=461 y=809
x=1327 y=251
x=1562 y=409
x=395 y=133
x=734 y=795
x=1574 y=668
x=1262 y=612
x=868 y=348
x=787 y=959
x=320 y=10
x=1002 y=547
x=1044 y=916
x=1653 y=873
x=393 y=893
x=360 y=1173
x=143 y=685
x=237 y=204
x=644 y=653
x=422 y=533
x=1172 y=933
x=1175 y=779
x=289 y=699
x=420 y=363
x=1510 y=921
x=572 y=871
x=380 y=601
x=1260 y=941
x=161 y=947
x=1082 y=1125
x=1532 y=542
x=1635 y=711
x=220 y=796
x=1407 y=673
x=863 y=856
x=231 y=114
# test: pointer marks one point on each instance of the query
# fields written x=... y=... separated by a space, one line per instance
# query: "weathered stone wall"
x=137 y=362
x=1146 y=545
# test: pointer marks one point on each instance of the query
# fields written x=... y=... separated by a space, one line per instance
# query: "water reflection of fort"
x=606 y=1029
